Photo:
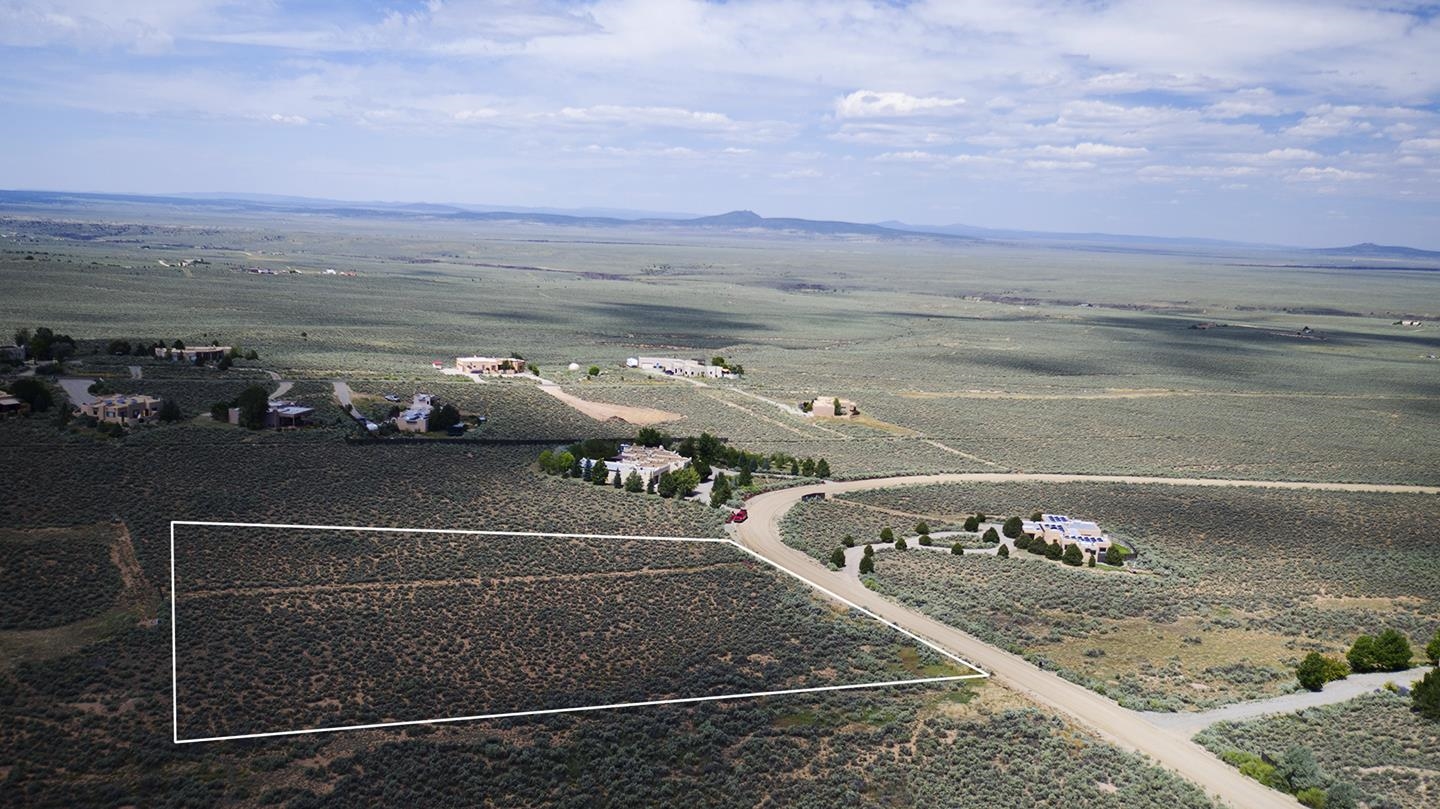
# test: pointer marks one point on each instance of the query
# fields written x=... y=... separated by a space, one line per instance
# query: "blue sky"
x=1313 y=123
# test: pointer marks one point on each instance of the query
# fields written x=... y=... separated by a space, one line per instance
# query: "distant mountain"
x=1371 y=250
x=1114 y=239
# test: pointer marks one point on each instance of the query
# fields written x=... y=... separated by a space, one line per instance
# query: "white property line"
x=174 y=653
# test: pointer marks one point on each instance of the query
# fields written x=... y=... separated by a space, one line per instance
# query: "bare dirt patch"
x=604 y=411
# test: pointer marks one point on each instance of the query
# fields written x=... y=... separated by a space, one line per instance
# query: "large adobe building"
x=1068 y=531
x=490 y=366
x=123 y=408
x=647 y=462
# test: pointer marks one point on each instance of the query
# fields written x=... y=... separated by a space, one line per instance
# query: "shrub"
x=1389 y=651
x=1299 y=770
x=957 y=549
x=1004 y=552
x=1432 y=649
x=849 y=541
x=1039 y=546
x=925 y=540
x=990 y=535
x=1316 y=670
x=1056 y=550
x=900 y=544
x=972 y=523
x=1012 y=527
x=887 y=535
x=922 y=527
x=1022 y=542
x=869 y=549
x=170 y=411
x=1313 y=797
x=1114 y=557
x=867 y=564
x=1342 y=795
x=1072 y=556
x=837 y=558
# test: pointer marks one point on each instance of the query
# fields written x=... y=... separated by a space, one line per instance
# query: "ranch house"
x=416 y=417
x=490 y=366
x=281 y=415
x=677 y=367
x=648 y=462
x=193 y=355
x=123 y=408
x=1068 y=531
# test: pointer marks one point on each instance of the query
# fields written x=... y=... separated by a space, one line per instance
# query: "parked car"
x=738 y=516
x=390 y=397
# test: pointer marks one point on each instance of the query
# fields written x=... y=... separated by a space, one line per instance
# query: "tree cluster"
x=1316 y=670
x=1388 y=651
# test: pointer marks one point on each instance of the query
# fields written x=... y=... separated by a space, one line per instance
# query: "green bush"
x=1425 y=696
x=867 y=564
x=957 y=549
x=1316 y=670
x=1012 y=527
x=1072 y=556
x=1313 y=797
x=838 y=558
x=990 y=536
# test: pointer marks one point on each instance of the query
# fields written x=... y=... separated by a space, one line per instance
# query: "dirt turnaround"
x=603 y=411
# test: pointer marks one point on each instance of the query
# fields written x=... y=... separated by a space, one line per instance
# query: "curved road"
x=1171 y=748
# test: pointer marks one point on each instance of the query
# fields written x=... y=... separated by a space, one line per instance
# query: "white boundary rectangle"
x=174 y=655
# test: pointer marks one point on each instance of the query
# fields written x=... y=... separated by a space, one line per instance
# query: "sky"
x=1308 y=123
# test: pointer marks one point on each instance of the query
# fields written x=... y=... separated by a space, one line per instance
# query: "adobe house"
x=490 y=366
x=123 y=408
x=1068 y=531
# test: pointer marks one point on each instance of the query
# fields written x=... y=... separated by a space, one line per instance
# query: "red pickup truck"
x=737 y=516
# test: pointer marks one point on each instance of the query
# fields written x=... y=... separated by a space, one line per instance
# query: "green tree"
x=720 y=491
x=178 y=345
x=118 y=347
x=634 y=483
x=220 y=411
x=900 y=544
x=170 y=411
x=990 y=536
x=922 y=527
x=1393 y=651
x=1036 y=517
x=794 y=467
x=869 y=549
x=617 y=481
x=822 y=469
x=666 y=487
x=867 y=565
x=980 y=515
x=1425 y=696
x=745 y=478
x=1039 y=547
x=251 y=355
x=443 y=418
x=651 y=437
x=254 y=404
x=1090 y=558
x=887 y=535
x=599 y=473
x=1363 y=656
x=685 y=481
x=807 y=468
x=33 y=392
x=957 y=549
x=1003 y=552
x=1056 y=550
x=837 y=557
x=1113 y=556
x=594 y=370
x=1073 y=556
x=1432 y=649
x=972 y=523
x=839 y=411
x=1022 y=542
x=576 y=465
x=1012 y=527
x=925 y=540
x=848 y=541
x=651 y=484
x=1311 y=672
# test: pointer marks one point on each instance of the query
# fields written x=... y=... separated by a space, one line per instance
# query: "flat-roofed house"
x=648 y=462
x=192 y=355
x=281 y=415
x=12 y=405
x=14 y=353
x=673 y=366
x=416 y=417
x=123 y=408
x=1068 y=531
x=490 y=366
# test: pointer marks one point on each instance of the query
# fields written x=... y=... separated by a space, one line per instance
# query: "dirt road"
x=1170 y=747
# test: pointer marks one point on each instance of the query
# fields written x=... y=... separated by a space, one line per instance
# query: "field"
x=960 y=357
x=1182 y=626
x=1373 y=741
x=288 y=629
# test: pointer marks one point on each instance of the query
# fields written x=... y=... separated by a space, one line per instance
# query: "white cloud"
x=1314 y=173
x=1285 y=155
x=1090 y=150
x=1059 y=165
x=293 y=120
x=1421 y=145
x=875 y=104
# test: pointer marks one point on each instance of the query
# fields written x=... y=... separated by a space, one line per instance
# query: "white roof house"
x=1067 y=531
x=673 y=366
x=648 y=462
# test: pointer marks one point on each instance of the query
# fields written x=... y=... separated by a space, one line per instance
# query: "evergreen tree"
x=1299 y=769
x=575 y=469
x=651 y=484
x=1113 y=557
x=1003 y=552
x=807 y=468
x=972 y=523
x=618 y=481
x=634 y=483
x=867 y=565
x=254 y=404
x=1073 y=556
x=666 y=486
x=869 y=549
x=1055 y=551
x=839 y=411
x=822 y=468
x=170 y=411
x=745 y=478
x=900 y=544
x=1425 y=696
x=1039 y=547
x=1012 y=527
x=837 y=557
x=1090 y=558
x=922 y=527
x=957 y=549
x=1311 y=672
x=1432 y=649
x=848 y=541
x=980 y=515
x=1393 y=651
x=990 y=535
x=794 y=467
x=887 y=535
x=925 y=540
x=1036 y=517
x=1362 y=656
x=1022 y=542
x=720 y=491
